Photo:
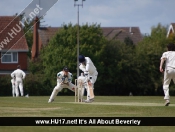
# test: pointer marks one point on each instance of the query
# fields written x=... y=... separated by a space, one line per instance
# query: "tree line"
x=123 y=67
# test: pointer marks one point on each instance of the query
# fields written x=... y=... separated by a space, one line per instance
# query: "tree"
x=171 y=38
x=128 y=41
x=147 y=59
x=27 y=28
x=62 y=49
x=122 y=68
x=116 y=69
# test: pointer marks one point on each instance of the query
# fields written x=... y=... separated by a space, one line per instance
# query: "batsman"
x=90 y=72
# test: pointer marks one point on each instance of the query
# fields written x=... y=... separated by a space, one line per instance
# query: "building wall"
x=22 y=61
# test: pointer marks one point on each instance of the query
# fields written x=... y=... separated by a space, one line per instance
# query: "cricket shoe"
x=167 y=102
x=50 y=100
x=89 y=101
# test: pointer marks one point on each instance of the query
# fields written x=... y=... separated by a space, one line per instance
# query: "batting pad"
x=91 y=92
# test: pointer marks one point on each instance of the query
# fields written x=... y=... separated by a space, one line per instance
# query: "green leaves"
x=62 y=48
x=122 y=67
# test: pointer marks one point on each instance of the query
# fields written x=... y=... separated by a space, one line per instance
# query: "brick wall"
x=22 y=61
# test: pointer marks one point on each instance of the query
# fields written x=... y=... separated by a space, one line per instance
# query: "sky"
x=108 y=13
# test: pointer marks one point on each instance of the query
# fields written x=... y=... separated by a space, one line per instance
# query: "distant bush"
x=5 y=85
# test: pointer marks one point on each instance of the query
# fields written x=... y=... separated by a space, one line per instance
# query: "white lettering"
x=39 y=7
x=10 y=34
x=19 y=28
x=131 y=122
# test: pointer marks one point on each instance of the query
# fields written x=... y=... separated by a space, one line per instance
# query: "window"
x=9 y=57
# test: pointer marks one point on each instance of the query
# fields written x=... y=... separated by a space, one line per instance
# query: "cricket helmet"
x=65 y=69
x=81 y=58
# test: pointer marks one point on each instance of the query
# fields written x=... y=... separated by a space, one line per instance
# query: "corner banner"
x=87 y=121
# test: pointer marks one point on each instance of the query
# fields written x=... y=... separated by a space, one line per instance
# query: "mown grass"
x=104 y=106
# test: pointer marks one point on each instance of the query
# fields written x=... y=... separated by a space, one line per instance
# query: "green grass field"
x=103 y=106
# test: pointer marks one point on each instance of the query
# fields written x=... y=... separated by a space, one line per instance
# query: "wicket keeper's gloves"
x=63 y=79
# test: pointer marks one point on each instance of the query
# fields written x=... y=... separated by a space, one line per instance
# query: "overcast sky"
x=108 y=13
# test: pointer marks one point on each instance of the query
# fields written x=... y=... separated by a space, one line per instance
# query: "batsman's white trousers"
x=59 y=87
x=168 y=76
x=94 y=77
x=19 y=83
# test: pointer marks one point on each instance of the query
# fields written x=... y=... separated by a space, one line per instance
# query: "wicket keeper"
x=64 y=79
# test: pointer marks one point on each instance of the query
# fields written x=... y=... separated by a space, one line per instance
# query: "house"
x=42 y=35
x=171 y=30
x=13 y=45
x=120 y=33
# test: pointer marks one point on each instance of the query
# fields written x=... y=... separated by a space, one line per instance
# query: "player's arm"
x=82 y=67
x=13 y=74
x=161 y=64
x=60 y=78
x=23 y=75
x=13 y=81
x=87 y=67
x=70 y=77
x=88 y=61
x=162 y=60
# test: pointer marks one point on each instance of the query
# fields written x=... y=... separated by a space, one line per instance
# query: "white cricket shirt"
x=170 y=59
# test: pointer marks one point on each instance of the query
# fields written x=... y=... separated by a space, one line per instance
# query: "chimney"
x=35 y=46
x=130 y=30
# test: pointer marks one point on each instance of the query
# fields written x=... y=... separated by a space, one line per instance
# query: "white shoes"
x=167 y=102
x=86 y=101
x=89 y=101
x=50 y=100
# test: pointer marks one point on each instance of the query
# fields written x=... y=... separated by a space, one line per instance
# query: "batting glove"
x=86 y=73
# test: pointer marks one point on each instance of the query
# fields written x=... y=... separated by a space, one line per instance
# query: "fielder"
x=90 y=72
x=64 y=79
x=19 y=76
x=169 y=72
x=13 y=86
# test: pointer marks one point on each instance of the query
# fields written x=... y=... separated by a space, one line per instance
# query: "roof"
x=120 y=33
x=171 y=29
x=47 y=33
x=11 y=34
x=173 y=25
